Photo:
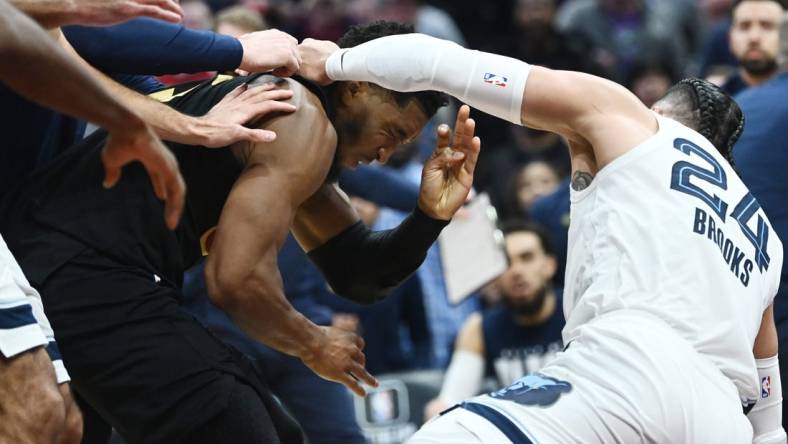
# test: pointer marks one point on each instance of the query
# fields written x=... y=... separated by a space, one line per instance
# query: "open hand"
x=110 y=12
x=270 y=50
x=340 y=359
x=314 y=54
x=447 y=177
x=138 y=142
x=223 y=125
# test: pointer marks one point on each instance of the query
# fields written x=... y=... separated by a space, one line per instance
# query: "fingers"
x=257 y=135
x=352 y=383
x=265 y=92
x=112 y=169
x=174 y=200
x=361 y=374
x=473 y=155
x=444 y=134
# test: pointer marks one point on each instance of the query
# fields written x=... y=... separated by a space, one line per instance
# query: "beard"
x=527 y=308
x=759 y=67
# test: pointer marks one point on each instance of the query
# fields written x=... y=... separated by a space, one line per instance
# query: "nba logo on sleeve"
x=495 y=79
x=766 y=387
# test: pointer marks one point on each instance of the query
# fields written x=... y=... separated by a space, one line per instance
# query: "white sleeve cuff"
x=14 y=341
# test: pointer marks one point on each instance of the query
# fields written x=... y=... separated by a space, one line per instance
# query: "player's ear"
x=352 y=90
x=356 y=88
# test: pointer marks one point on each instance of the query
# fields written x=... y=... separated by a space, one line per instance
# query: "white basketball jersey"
x=670 y=229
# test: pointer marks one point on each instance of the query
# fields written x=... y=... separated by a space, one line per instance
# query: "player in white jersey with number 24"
x=672 y=265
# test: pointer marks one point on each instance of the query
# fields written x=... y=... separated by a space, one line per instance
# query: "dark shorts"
x=146 y=366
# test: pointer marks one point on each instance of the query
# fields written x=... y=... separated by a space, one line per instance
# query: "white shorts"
x=23 y=324
x=626 y=378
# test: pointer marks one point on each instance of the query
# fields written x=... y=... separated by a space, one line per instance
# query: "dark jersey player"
x=109 y=271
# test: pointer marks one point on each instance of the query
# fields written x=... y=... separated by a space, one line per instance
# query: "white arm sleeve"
x=767 y=415
x=415 y=62
x=463 y=377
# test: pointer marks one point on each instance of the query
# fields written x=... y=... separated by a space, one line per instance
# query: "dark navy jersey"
x=761 y=156
x=512 y=350
x=63 y=209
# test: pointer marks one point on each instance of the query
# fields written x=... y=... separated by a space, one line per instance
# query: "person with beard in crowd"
x=516 y=337
x=753 y=41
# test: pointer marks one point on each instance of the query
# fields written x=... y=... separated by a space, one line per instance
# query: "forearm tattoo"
x=581 y=180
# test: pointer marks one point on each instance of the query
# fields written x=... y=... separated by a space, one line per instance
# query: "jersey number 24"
x=742 y=212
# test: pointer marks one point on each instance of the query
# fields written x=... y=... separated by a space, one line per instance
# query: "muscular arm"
x=241 y=272
x=589 y=110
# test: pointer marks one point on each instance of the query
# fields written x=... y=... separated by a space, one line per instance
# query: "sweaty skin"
x=283 y=187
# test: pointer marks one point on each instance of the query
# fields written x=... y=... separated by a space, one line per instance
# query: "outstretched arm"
x=581 y=107
x=766 y=416
x=52 y=14
x=363 y=265
x=215 y=129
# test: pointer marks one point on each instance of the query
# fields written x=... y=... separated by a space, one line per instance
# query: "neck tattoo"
x=581 y=180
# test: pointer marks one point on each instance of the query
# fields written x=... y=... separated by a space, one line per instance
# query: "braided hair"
x=715 y=115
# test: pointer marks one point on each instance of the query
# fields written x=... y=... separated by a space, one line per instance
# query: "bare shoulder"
x=306 y=140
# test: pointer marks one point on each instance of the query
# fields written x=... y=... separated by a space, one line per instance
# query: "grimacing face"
x=371 y=124
x=530 y=269
x=754 y=35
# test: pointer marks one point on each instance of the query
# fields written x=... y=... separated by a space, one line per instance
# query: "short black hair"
x=522 y=226
x=783 y=4
x=709 y=111
x=429 y=101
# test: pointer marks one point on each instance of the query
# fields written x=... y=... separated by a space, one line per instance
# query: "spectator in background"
x=238 y=20
x=552 y=212
x=536 y=38
x=650 y=80
x=497 y=169
x=535 y=180
x=517 y=337
x=754 y=39
x=426 y=19
x=320 y=19
x=622 y=30
x=761 y=156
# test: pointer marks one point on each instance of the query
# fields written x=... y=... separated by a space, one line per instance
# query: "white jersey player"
x=672 y=265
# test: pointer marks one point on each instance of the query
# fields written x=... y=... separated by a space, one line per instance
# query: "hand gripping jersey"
x=669 y=229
